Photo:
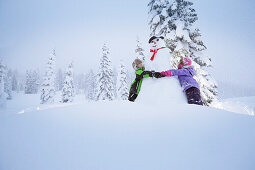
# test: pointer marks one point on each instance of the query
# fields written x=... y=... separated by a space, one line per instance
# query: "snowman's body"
x=162 y=90
x=161 y=61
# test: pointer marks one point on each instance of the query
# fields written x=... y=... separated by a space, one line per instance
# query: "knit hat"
x=185 y=63
x=136 y=63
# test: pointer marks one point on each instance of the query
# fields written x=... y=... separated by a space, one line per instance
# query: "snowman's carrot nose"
x=154 y=42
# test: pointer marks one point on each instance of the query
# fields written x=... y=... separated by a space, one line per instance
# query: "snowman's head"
x=156 y=42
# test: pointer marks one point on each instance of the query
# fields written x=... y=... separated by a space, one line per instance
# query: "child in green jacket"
x=140 y=74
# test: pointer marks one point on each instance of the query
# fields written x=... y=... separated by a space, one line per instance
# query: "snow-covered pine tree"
x=8 y=83
x=28 y=84
x=122 y=87
x=32 y=82
x=3 y=95
x=68 y=87
x=21 y=82
x=36 y=75
x=59 y=80
x=174 y=20
x=48 y=84
x=79 y=83
x=105 y=79
x=115 y=76
x=15 y=81
x=139 y=51
x=90 y=85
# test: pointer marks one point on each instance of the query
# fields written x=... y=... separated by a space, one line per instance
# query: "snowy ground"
x=242 y=105
x=122 y=135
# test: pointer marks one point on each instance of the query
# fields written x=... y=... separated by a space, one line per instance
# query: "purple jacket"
x=185 y=77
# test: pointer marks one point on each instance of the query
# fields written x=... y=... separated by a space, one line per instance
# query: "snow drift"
x=124 y=135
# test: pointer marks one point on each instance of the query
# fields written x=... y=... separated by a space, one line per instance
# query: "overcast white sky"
x=77 y=30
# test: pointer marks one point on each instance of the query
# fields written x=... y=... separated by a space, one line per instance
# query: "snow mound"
x=124 y=135
x=243 y=105
x=162 y=91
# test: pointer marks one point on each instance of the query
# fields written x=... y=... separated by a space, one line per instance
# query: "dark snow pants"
x=193 y=96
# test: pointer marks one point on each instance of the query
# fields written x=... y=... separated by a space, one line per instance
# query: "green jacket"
x=140 y=74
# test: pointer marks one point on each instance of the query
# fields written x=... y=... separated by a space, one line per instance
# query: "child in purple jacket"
x=185 y=75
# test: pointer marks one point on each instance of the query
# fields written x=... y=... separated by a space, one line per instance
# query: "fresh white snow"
x=242 y=105
x=123 y=135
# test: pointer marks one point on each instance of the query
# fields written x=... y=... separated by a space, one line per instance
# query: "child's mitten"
x=158 y=75
x=166 y=73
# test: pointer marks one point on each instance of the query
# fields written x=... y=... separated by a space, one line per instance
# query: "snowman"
x=160 y=55
x=163 y=90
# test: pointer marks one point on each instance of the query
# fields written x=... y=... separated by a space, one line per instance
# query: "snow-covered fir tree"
x=48 y=84
x=174 y=20
x=3 y=95
x=8 y=83
x=68 y=86
x=37 y=77
x=139 y=51
x=79 y=83
x=15 y=81
x=90 y=85
x=32 y=82
x=29 y=83
x=105 y=78
x=22 y=82
x=122 y=86
x=115 y=76
x=59 y=80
